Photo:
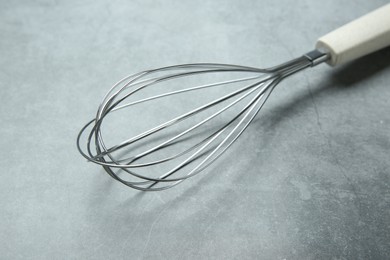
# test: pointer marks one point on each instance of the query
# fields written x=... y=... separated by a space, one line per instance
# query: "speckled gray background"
x=308 y=180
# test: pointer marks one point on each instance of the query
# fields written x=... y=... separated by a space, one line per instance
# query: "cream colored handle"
x=360 y=37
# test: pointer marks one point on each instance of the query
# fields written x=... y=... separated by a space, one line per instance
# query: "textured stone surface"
x=309 y=179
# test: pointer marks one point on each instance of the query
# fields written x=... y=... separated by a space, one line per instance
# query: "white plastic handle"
x=360 y=37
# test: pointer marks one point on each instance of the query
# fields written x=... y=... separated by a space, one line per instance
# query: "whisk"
x=179 y=146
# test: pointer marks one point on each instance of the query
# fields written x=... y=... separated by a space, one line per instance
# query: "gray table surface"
x=308 y=180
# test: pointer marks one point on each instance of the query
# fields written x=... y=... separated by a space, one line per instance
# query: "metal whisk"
x=172 y=150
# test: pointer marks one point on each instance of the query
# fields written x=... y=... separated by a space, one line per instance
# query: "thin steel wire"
x=199 y=155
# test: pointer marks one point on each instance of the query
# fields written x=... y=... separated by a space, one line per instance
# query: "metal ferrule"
x=316 y=57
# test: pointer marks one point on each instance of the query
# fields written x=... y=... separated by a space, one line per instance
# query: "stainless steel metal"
x=317 y=56
x=184 y=145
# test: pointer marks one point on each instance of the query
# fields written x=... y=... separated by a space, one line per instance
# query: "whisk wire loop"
x=187 y=161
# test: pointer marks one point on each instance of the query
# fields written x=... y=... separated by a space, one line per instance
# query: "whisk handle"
x=358 y=38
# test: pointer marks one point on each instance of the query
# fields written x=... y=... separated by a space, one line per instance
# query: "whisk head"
x=156 y=128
